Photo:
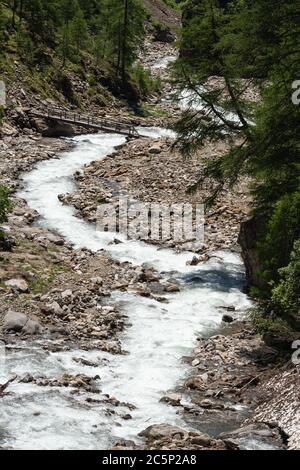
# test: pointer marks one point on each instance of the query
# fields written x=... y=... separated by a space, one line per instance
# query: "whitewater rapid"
x=159 y=335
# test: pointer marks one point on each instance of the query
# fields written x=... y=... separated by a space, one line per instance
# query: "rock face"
x=281 y=405
x=249 y=235
x=164 y=34
x=50 y=128
x=162 y=13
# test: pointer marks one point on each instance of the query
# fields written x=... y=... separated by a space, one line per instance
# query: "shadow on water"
x=222 y=280
x=4 y=435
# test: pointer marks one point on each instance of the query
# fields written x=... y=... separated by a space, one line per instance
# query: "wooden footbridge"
x=86 y=121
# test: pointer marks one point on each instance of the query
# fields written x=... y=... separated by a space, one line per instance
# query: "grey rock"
x=173 y=399
x=158 y=431
x=227 y=319
x=155 y=150
x=32 y=327
x=6 y=241
x=18 y=285
x=14 y=321
x=201 y=440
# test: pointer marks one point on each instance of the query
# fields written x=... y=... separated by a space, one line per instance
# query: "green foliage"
x=25 y=45
x=127 y=30
x=286 y=296
x=269 y=325
x=215 y=41
x=175 y=4
x=282 y=230
x=75 y=31
x=253 y=49
x=142 y=78
x=280 y=315
x=42 y=283
x=5 y=204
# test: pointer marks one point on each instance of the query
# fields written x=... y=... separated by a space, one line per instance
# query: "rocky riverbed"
x=227 y=370
x=61 y=296
x=75 y=304
x=150 y=171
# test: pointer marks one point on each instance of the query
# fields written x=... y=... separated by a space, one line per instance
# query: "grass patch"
x=41 y=285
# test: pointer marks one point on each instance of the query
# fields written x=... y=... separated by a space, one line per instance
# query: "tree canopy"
x=252 y=50
x=109 y=29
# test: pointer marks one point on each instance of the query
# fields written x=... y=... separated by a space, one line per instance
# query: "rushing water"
x=160 y=334
x=164 y=62
x=49 y=418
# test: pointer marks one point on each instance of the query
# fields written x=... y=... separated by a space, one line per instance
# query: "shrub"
x=266 y=323
x=145 y=83
x=5 y=203
x=282 y=231
x=286 y=296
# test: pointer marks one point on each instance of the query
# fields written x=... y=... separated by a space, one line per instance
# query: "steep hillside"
x=163 y=13
x=73 y=58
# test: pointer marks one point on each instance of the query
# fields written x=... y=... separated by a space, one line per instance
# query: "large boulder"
x=17 y=285
x=51 y=128
x=46 y=238
x=159 y=431
x=155 y=149
x=14 y=321
x=32 y=327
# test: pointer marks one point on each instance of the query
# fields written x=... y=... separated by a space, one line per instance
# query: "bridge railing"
x=78 y=118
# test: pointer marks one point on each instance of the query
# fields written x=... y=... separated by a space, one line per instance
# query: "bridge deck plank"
x=89 y=122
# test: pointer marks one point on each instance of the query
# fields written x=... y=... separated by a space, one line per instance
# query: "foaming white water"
x=54 y=177
x=189 y=99
x=158 y=338
x=164 y=62
x=37 y=417
x=160 y=335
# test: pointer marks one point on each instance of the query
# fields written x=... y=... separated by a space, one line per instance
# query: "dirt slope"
x=162 y=13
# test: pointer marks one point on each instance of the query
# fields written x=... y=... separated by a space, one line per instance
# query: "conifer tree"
x=127 y=30
x=248 y=45
x=79 y=31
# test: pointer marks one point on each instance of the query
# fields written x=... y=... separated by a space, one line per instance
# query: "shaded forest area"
x=253 y=47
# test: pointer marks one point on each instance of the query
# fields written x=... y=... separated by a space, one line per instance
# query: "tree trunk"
x=124 y=45
x=21 y=10
x=119 y=51
x=14 y=9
